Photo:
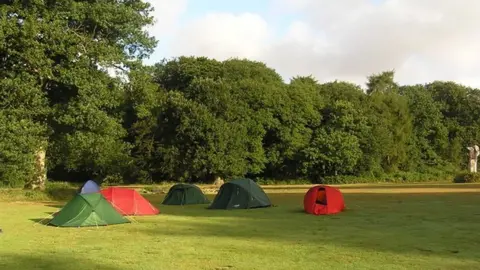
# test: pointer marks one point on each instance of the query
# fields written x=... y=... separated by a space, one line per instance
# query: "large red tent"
x=129 y=202
x=323 y=200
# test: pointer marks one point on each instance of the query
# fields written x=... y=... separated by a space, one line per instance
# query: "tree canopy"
x=195 y=118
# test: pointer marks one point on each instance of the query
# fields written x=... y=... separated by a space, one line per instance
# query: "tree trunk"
x=40 y=177
x=474 y=152
x=218 y=181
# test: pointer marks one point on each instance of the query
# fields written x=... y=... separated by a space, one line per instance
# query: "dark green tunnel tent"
x=241 y=193
x=181 y=194
x=90 y=209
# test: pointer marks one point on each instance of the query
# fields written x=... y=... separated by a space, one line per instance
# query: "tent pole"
x=123 y=212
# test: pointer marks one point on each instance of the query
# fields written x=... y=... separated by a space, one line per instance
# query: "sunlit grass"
x=378 y=231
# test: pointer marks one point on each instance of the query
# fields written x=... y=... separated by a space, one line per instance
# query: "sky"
x=422 y=40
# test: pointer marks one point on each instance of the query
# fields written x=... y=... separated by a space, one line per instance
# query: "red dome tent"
x=129 y=202
x=323 y=200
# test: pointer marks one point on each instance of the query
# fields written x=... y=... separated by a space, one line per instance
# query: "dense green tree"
x=430 y=140
x=298 y=118
x=382 y=82
x=61 y=50
x=460 y=108
x=22 y=134
x=335 y=146
x=196 y=118
x=220 y=115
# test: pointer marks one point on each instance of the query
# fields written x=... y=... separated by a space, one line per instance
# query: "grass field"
x=385 y=227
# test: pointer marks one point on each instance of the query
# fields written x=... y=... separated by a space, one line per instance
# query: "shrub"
x=467 y=177
x=262 y=181
x=344 y=179
x=60 y=191
x=113 y=179
x=397 y=177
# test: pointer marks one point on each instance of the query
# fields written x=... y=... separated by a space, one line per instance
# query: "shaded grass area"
x=378 y=231
x=48 y=260
x=445 y=185
x=54 y=191
x=63 y=191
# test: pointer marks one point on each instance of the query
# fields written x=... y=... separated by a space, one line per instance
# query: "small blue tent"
x=89 y=187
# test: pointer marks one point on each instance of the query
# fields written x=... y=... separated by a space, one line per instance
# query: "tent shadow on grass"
x=434 y=224
x=50 y=261
x=296 y=211
x=41 y=221
x=59 y=206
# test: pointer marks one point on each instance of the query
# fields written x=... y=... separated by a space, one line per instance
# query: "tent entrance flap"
x=321 y=197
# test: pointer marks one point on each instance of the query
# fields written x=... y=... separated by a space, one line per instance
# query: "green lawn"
x=378 y=231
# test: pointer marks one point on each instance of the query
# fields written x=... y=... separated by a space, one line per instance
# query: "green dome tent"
x=90 y=209
x=181 y=194
x=240 y=194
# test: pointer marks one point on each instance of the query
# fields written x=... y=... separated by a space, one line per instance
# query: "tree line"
x=63 y=116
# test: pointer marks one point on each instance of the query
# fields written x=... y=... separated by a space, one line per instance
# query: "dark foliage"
x=194 y=119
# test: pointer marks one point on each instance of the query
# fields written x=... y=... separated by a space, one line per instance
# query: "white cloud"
x=223 y=35
x=423 y=40
x=166 y=14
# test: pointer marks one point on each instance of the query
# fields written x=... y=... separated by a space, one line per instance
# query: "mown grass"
x=378 y=231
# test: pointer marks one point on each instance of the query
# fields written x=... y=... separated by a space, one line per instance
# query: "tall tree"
x=298 y=118
x=382 y=82
x=64 y=48
x=459 y=106
x=430 y=138
x=217 y=117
